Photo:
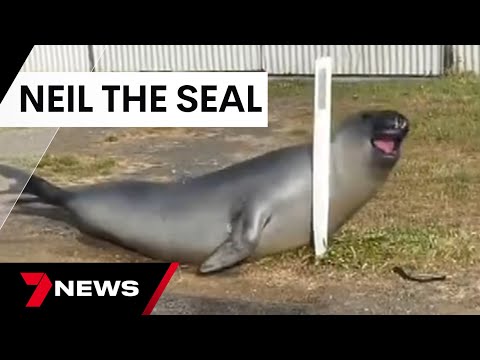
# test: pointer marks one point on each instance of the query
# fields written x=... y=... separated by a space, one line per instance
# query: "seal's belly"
x=186 y=234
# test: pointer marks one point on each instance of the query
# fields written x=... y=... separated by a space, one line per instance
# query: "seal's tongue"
x=386 y=145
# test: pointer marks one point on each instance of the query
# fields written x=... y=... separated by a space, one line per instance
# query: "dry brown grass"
x=170 y=133
x=70 y=167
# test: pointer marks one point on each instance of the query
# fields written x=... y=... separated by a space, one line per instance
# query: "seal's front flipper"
x=246 y=230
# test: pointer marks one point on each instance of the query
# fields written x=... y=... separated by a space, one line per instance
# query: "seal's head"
x=365 y=149
x=379 y=134
x=389 y=129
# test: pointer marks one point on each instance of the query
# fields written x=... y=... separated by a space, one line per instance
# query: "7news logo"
x=43 y=285
x=84 y=289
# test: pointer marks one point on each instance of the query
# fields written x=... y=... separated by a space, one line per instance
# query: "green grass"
x=380 y=249
x=68 y=167
x=428 y=213
x=442 y=110
x=377 y=249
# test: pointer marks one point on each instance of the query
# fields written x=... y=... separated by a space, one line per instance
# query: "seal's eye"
x=366 y=116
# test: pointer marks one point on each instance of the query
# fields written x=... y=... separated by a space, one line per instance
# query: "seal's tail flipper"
x=246 y=229
x=45 y=191
x=16 y=179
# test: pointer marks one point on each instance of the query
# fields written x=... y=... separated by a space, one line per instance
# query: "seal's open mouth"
x=389 y=145
x=388 y=141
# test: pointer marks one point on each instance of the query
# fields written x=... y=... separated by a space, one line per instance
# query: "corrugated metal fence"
x=349 y=60
x=380 y=60
x=69 y=58
x=177 y=57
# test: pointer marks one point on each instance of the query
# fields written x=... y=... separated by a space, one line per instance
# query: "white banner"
x=136 y=99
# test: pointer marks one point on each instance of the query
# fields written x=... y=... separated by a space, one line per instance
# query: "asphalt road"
x=173 y=304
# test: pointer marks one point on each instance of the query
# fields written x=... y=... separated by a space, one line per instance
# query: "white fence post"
x=321 y=153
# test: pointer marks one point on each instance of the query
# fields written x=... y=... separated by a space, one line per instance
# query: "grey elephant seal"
x=251 y=209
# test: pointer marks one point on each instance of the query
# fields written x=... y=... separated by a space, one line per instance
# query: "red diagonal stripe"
x=161 y=287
